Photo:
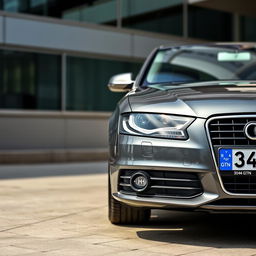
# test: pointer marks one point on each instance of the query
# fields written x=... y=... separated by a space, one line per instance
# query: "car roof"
x=228 y=45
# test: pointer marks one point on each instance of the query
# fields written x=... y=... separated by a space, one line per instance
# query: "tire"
x=119 y=213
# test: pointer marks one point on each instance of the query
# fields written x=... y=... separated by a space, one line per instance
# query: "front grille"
x=229 y=133
x=240 y=184
x=163 y=184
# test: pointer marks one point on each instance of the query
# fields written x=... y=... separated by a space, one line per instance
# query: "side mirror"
x=121 y=83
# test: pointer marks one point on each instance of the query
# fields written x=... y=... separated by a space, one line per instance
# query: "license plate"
x=237 y=159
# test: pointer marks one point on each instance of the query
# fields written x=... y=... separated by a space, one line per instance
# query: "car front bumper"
x=193 y=155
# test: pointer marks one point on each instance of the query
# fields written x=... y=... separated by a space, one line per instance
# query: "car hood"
x=199 y=100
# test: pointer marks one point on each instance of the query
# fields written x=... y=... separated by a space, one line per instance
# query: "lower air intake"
x=163 y=184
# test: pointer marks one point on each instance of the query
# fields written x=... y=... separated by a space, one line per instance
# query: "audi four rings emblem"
x=250 y=130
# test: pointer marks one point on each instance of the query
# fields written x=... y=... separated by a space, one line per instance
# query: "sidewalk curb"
x=52 y=156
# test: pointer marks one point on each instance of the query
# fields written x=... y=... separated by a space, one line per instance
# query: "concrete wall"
x=38 y=137
x=33 y=32
x=56 y=130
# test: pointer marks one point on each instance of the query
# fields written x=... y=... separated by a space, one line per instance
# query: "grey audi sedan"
x=184 y=136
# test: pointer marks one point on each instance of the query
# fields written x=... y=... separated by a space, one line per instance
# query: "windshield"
x=198 y=64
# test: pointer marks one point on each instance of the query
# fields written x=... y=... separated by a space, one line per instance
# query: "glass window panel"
x=11 y=5
x=38 y=7
x=209 y=24
x=29 y=81
x=140 y=7
x=163 y=16
x=48 y=81
x=87 y=81
x=248 y=28
x=99 y=11
x=34 y=3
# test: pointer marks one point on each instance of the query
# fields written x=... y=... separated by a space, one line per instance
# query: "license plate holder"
x=237 y=159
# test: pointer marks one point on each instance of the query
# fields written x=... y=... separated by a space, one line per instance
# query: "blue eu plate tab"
x=225 y=159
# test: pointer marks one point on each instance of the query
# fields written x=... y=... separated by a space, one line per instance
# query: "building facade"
x=57 y=57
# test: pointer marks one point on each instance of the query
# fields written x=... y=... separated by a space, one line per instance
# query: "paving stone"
x=225 y=252
x=178 y=249
x=13 y=251
x=67 y=215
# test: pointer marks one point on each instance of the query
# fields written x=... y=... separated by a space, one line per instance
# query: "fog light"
x=140 y=181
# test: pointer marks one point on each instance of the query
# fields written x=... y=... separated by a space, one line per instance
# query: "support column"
x=185 y=18
x=63 y=81
x=119 y=13
x=236 y=27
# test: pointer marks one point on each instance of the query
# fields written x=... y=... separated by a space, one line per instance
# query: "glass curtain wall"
x=247 y=28
x=32 y=81
x=37 y=7
x=87 y=81
x=209 y=24
x=93 y=11
x=29 y=81
x=162 y=16
x=97 y=11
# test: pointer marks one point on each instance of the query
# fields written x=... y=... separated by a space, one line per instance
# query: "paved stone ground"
x=62 y=210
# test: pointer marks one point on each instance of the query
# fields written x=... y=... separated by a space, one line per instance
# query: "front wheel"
x=119 y=213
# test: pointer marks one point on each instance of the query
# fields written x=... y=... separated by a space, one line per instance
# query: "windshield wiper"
x=169 y=83
x=166 y=86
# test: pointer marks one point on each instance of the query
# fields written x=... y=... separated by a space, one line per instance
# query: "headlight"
x=155 y=125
